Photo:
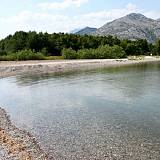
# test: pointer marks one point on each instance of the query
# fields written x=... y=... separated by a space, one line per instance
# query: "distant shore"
x=11 y=68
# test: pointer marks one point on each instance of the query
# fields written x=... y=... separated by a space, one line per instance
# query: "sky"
x=66 y=15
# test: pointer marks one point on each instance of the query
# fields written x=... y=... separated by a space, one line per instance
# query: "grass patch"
x=54 y=58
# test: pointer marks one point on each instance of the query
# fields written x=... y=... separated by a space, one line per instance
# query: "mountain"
x=158 y=20
x=86 y=30
x=75 y=30
x=133 y=26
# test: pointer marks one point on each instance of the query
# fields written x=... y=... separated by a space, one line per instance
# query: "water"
x=101 y=114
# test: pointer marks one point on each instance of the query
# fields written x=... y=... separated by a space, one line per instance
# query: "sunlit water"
x=101 y=114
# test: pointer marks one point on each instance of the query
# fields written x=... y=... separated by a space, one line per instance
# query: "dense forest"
x=32 y=45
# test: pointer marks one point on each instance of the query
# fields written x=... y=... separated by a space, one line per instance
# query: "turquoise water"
x=101 y=114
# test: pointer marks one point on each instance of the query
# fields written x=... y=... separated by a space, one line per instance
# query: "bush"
x=117 y=52
x=10 y=57
x=29 y=55
x=22 y=55
x=102 y=52
x=86 y=54
x=69 y=54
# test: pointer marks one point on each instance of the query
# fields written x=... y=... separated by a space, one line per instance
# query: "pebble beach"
x=16 y=144
x=12 y=68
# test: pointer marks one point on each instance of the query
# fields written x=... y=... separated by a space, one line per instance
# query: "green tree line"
x=33 y=45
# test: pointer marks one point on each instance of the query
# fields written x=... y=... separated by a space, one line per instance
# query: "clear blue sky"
x=66 y=15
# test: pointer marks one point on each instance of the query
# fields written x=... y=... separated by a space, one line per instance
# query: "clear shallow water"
x=102 y=114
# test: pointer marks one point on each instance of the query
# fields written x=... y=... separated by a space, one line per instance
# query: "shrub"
x=29 y=55
x=86 y=54
x=10 y=57
x=102 y=52
x=69 y=54
x=22 y=55
x=117 y=52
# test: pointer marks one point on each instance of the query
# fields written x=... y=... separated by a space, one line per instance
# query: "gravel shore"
x=14 y=68
x=16 y=144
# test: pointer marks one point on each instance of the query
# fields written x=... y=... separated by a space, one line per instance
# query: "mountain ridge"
x=86 y=30
x=158 y=19
x=132 y=26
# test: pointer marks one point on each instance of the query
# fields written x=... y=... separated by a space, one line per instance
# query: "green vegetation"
x=102 y=52
x=69 y=54
x=22 y=55
x=32 y=45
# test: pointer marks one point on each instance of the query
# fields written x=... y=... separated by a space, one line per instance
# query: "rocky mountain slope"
x=86 y=30
x=133 y=26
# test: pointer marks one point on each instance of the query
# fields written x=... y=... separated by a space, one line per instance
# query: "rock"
x=158 y=20
x=133 y=26
x=16 y=144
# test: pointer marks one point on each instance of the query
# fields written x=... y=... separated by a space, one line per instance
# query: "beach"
x=12 y=68
x=16 y=144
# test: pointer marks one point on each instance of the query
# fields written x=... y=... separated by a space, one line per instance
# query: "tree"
x=143 y=45
x=158 y=46
x=53 y=44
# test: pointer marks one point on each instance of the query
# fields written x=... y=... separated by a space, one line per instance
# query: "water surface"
x=101 y=114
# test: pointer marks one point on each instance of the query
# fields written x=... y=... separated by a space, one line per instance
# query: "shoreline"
x=12 y=68
x=16 y=144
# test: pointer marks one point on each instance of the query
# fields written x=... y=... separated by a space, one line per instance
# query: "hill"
x=86 y=30
x=133 y=26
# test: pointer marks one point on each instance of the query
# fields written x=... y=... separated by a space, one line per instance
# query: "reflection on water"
x=106 y=113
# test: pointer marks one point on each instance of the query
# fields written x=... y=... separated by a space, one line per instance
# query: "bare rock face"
x=133 y=26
